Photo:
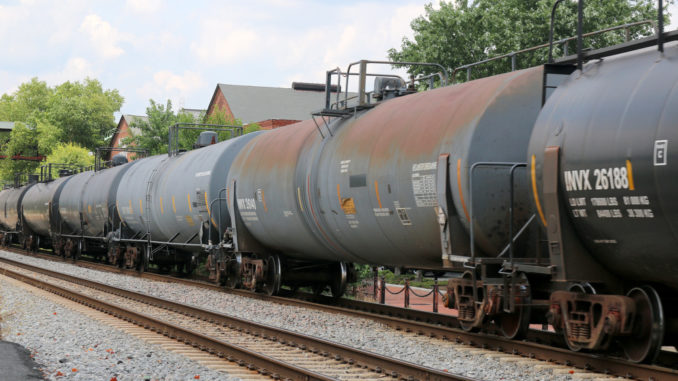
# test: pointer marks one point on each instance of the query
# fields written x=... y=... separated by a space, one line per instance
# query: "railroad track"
x=278 y=353
x=540 y=344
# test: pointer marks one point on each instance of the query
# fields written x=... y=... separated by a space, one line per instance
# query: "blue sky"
x=180 y=50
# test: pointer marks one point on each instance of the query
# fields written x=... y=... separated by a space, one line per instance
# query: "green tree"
x=219 y=116
x=83 y=112
x=30 y=101
x=154 y=133
x=70 y=154
x=23 y=142
x=462 y=31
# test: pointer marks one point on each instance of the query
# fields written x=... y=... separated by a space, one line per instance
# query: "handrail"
x=173 y=134
x=546 y=45
x=363 y=73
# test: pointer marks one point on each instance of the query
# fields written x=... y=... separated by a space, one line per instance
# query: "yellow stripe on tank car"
x=629 y=173
x=339 y=194
x=299 y=199
x=162 y=210
x=534 y=192
x=376 y=191
x=141 y=208
x=461 y=193
x=89 y=208
x=207 y=204
x=263 y=200
x=188 y=197
x=131 y=211
x=174 y=206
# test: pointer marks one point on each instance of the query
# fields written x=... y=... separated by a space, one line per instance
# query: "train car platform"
x=16 y=363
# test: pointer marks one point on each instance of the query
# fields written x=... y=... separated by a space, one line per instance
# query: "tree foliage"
x=462 y=32
x=72 y=155
x=73 y=112
x=22 y=142
x=84 y=112
x=154 y=133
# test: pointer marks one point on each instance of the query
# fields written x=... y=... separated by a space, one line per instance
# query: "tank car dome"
x=119 y=159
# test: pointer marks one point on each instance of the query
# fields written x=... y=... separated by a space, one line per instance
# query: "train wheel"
x=515 y=325
x=645 y=342
x=340 y=281
x=234 y=271
x=272 y=275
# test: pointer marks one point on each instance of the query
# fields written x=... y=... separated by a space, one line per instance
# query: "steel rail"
x=545 y=346
x=358 y=358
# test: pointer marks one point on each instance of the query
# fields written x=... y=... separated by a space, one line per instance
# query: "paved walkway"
x=16 y=363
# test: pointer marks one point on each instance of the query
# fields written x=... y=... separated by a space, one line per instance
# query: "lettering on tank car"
x=202 y=174
x=249 y=216
x=352 y=221
x=599 y=179
x=288 y=213
x=424 y=184
x=343 y=166
x=247 y=204
x=382 y=212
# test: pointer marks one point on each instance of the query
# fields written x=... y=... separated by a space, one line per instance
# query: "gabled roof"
x=132 y=119
x=256 y=103
x=196 y=113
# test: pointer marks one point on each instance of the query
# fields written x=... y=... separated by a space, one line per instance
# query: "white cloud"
x=188 y=82
x=76 y=69
x=168 y=85
x=143 y=6
x=104 y=37
x=223 y=42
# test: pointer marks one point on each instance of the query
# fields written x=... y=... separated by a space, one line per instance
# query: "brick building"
x=270 y=107
x=123 y=131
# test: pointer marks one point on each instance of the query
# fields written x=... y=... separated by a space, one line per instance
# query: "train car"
x=172 y=206
x=38 y=212
x=367 y=194
x=603 y=159
x=87 y=215
x=10 y=211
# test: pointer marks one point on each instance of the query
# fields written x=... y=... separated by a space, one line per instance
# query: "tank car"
x=367 y=194
x=10 y=213
x=173 y=206
x=603 y=176
x=39 y=208
x=87 y=216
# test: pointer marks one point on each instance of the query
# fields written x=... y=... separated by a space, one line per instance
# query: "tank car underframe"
x=240 y=261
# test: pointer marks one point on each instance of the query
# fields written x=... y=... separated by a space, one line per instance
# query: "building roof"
x=132 y=119
x=256 y=103
x=6 y=126
x=196 y=113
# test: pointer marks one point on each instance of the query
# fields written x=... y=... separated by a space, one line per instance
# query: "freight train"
x=547 y=193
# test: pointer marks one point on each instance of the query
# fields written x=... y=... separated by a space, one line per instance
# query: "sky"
x=180 y=50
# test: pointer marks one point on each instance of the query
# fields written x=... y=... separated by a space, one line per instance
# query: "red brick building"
x=270 y=107
x=123 y=130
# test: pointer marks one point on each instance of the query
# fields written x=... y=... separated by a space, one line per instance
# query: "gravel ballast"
x=355 y=332
x=71 y=346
